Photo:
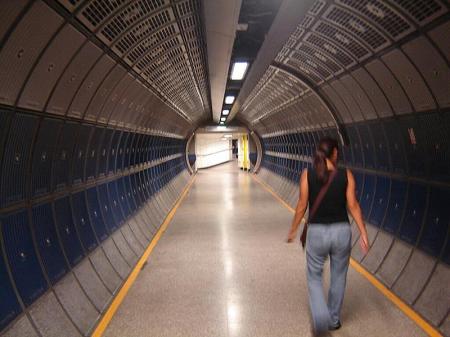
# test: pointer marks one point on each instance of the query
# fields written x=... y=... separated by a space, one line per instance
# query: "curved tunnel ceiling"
x=365 y=59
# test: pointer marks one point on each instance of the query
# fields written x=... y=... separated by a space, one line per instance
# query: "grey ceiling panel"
x=360 y=96
x=436 y=73
x=440 y=36
x=23 y=47
x=390 y=87
x=89 y=86
x=347 y=97
x=9 y=12
x=72 y=79
x=50 y=67
x=410 y=80
x=95 y=106
x=376 y=96
x=114 y=98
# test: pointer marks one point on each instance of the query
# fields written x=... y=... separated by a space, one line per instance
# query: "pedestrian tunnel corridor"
x=107 y=224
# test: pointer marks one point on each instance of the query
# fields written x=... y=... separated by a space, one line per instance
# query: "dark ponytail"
x=324 y=150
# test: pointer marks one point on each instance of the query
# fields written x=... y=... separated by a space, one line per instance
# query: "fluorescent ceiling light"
x=222 y=123
x=238 y=71
x=228 y=136
x=225 y=112
x=229 y=99
x=223 y=119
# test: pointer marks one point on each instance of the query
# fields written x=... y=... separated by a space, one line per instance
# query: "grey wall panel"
x=433 y=303
x=102 y=93
x=124 y=248
x=377 y=251
x=445 y=326
x=432 y=66
x=337 y=102
x=76 y=304
x=414 y=276
x=50 y=318
x=105 y=270
x=23 y=47
x=10 y=11
x=72 y=78
x=116 y=258
x=357 y=253
x=92 y=285
x=88 y=87
x=21 y=328
x=410 y=80
x=354 y=89
x=116 y=97
x=390 y=87
x=376 y=96
x=131 y=237
x=440 y=37
x=50 y=67
x=393 y=264
x=129 y=90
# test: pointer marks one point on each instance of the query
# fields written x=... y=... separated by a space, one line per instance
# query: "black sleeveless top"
x=333 y=207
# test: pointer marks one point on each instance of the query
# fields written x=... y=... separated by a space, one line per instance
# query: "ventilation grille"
x=162 y=41
x=330 y=48
x=421 y=11
x=357 y=26
x=319 y=58
x=155 y=24
x=381 y=14
x=275 y=90
x=341 y=37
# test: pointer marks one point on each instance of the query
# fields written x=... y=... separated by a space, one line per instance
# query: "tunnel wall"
x=376 y=75
x=74 y=228
x=404 y=198
x=92 y=149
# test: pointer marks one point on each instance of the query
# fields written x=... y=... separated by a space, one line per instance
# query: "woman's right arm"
x=355 y=211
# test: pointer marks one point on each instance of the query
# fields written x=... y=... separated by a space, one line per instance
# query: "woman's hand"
x=291 y=236
x=364 y=243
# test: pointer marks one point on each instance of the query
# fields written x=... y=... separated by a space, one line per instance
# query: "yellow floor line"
x=104 y=322
x=421 y=322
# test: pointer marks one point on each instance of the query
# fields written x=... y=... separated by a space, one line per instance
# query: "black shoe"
x=336 y=327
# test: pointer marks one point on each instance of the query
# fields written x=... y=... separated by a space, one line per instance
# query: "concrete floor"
x=223 y=269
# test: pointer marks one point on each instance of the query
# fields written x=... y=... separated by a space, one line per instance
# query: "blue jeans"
x=332 y=240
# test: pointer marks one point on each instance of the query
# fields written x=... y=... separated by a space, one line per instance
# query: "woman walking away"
x=330 y=192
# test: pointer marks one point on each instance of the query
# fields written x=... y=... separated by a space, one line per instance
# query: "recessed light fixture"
x=223 y=119
x=238 y=71
x=225 y=112
x=228 y=136
x=229 y=99
x=221 y=123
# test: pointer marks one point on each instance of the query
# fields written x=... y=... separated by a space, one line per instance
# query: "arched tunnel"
x=100 y=103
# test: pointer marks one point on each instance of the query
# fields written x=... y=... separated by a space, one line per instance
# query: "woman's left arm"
x=301 y=206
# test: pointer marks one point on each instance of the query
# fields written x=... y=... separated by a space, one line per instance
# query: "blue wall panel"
x=16 y=158
x=45 y=149
x=20 y=250
x=79 y=158
x=415 y=211
x=47 y=242
x=380 y=201
x=67 y=232
x=9 y=306
x=96 y=214
x=82 y=223
x=62 y=162
x=397 y=202
x=436 y=222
